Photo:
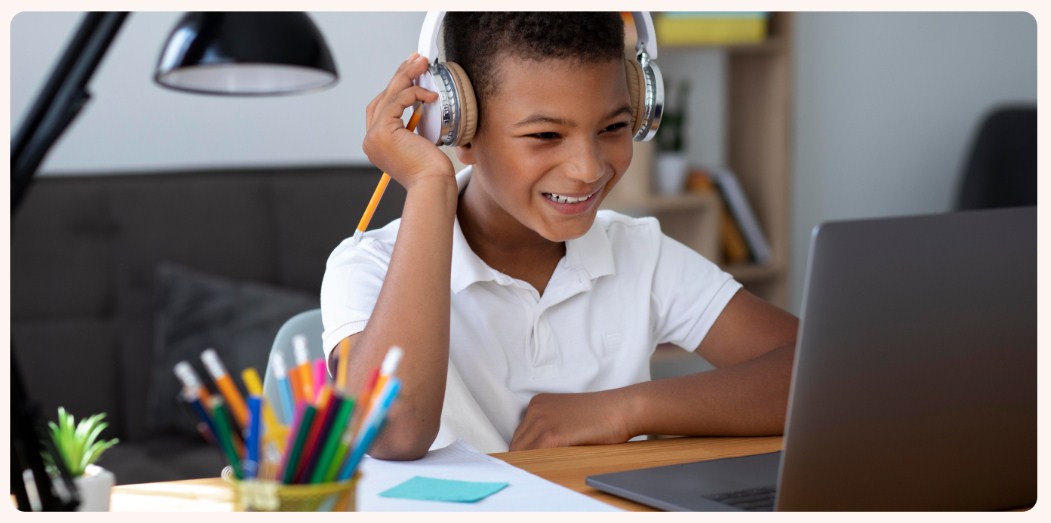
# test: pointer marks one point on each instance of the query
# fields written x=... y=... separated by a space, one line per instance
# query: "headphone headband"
x=452 y=119
x=428 y=45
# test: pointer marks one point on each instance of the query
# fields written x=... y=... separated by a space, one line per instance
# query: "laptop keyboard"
x=756 y=499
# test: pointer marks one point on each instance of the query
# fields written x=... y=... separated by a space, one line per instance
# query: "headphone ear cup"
x=468 y=105
x=636 y=91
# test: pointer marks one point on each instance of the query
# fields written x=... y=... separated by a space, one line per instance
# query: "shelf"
x=753 y=273
x=650 y=204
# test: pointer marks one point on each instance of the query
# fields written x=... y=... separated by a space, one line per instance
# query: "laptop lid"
x=914 y=385
x=915 y=379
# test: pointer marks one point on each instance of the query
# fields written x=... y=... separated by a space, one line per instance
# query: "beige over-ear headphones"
x=453 y=119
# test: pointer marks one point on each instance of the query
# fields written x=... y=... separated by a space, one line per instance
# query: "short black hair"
x=475 y=41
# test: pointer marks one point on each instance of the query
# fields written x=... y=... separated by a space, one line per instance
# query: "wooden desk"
x=567 y=466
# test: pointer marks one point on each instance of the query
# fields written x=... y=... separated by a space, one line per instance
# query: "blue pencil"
x=194 y=399
x=372 y=427
x=254 y=437
x=284 y=388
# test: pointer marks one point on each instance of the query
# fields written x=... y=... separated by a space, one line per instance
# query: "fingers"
x=395 y=93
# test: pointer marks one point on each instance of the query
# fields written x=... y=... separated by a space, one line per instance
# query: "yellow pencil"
x=341 y=366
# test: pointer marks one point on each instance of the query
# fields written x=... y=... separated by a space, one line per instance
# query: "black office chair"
x=1001 y=169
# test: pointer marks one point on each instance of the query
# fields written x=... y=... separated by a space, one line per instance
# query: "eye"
x=615 y=127
x=545 y=136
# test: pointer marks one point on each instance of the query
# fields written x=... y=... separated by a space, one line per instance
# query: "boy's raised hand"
x=404 y=155
x=560 y=420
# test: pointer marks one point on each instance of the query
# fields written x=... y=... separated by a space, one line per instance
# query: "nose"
x=586 y=162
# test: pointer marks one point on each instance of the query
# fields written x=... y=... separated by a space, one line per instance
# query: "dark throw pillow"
x=195 y=311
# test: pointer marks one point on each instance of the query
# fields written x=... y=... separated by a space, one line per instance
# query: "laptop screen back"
x=915 y=380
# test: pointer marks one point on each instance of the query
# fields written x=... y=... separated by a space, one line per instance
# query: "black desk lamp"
x=237 y=53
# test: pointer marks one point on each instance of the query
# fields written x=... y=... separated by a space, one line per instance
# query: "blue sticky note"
x=435 y=489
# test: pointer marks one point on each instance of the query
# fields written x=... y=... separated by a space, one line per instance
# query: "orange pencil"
x=381 y=186
x=303 y=369
x=363 y=402
x=387 y=369
x=189 y=379
x=226 y=386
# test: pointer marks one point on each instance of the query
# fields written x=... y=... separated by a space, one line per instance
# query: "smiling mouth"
x=558 y=198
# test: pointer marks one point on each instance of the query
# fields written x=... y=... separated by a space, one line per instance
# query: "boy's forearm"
x=745 y=399
x=412 y=311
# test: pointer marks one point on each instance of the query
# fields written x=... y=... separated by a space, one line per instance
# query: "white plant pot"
x=95 y=487
x=670 y=173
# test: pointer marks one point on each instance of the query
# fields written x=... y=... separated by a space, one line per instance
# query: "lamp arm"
x=61 y=99
x=58 y=103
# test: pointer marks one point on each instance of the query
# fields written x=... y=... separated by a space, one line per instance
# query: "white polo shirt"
x=621 y=289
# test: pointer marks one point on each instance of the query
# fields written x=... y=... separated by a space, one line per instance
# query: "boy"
x=528 y=317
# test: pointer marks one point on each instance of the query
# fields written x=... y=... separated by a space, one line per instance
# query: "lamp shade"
x=246 y=53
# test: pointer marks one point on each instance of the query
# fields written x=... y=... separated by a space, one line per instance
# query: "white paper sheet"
x=525 y=491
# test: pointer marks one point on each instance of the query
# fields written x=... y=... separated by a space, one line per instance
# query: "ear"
x=465 y=154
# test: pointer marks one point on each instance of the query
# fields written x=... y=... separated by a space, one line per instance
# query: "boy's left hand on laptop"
x=560 y=420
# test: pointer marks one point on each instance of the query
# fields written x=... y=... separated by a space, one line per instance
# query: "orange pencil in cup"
x=184 y=371
x=303 y=369
x=226 y=386
x=387 y=370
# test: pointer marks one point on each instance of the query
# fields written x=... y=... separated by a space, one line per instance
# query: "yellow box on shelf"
x=710 y=28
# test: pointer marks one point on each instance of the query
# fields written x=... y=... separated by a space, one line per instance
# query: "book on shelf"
x=710 y=28
x=739 y=221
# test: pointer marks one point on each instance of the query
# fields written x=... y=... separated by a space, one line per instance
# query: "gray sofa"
x=114 y=277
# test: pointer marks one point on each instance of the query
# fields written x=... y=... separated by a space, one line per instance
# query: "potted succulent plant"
x=79 y=446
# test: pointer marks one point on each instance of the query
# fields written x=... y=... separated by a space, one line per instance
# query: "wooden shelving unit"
x=758 y=142
x=758 y=134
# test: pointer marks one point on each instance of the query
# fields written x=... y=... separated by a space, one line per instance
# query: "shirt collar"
x=591 y=252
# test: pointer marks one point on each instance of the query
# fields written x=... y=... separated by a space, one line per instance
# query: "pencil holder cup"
x=272 y=496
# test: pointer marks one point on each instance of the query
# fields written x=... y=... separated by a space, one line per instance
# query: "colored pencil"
x=317 y=442
x=184 y=371
x=205 y=425
x=341 y=365
x=284 y=388
x=223 y=432
x=226 y=386
x=326 y=462
x=364 y=401
x=320 y=377
x=293 y=452
x=253 y=438
x=372 y=427
x=302 y=369
x=310 y=446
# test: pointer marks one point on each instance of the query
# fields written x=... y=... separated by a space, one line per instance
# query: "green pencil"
x=292 y=455
x=342 y=447
x=226 y=443
x=335 y=433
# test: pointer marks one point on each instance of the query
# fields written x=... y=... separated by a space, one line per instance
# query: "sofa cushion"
x=196 y=311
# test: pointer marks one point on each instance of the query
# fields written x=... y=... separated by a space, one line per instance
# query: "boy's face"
x=554 y=140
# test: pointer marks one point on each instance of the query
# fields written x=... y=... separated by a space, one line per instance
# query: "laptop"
x=914 y=385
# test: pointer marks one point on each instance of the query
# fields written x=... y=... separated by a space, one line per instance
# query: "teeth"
x=566 y=199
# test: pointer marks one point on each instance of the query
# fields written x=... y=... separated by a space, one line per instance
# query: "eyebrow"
x=544 y=118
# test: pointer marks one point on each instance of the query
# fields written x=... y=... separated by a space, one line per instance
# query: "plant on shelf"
x=79 y=447
x=670 y=137
x=671 y=166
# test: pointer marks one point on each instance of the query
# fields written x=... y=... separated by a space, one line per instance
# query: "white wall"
x=132 y=123
x=885 y=104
